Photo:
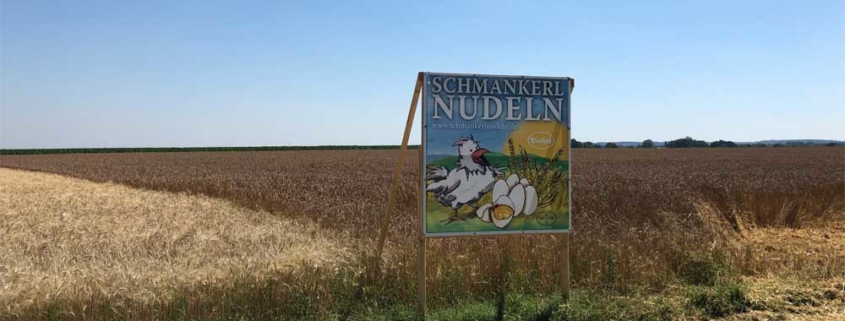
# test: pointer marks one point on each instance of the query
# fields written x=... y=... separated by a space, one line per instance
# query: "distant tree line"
x=576 y=144
x=686 y=142
x=689 y=142
x=191 y=149
x=722 y=143
x=648 y=143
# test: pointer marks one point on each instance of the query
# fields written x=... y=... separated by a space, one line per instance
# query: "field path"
x=67 y=238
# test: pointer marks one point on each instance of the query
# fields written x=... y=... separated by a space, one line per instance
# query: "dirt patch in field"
x=799 y=274
x=62 y=238
x=819 y=249
x=794 y=297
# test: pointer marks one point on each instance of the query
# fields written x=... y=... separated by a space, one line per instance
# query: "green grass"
x=367 y=292
x=583 y=306
x=720 y=300
x=700 y=268
x=253 y=302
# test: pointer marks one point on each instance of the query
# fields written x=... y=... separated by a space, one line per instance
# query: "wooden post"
x=391 y=196
x=563 y=241
x=421 y=287
x=421 y=290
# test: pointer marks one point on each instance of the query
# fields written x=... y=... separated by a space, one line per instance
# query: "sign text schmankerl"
x=510 y=99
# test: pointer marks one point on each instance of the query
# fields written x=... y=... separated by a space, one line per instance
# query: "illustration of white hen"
x=465 y=184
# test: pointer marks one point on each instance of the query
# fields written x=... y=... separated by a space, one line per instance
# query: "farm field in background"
x=628 y=184
x=647 y=223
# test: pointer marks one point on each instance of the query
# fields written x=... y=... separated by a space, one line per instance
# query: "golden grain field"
x=67 y=239
x=653 y=227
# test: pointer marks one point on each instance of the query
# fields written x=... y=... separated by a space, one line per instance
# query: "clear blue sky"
x=244 y=73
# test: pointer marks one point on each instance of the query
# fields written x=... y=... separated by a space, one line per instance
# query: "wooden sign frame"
x=562 y=237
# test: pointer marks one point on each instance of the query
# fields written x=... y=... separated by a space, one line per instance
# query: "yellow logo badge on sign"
x=540 y=138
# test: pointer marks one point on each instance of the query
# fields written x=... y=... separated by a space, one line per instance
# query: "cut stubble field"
x=646 y=224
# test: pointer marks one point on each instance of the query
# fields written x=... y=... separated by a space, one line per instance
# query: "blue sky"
x=245 y=73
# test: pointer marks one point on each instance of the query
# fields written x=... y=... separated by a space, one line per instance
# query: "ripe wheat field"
x=647 y=223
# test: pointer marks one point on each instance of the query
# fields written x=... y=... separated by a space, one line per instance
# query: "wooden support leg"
x=563 y=240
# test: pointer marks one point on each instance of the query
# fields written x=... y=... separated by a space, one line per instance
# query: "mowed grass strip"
x=71 y=240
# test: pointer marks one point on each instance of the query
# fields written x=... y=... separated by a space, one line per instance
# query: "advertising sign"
x=496 y=154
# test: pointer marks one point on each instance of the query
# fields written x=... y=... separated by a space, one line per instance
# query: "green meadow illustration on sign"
x=496 y=154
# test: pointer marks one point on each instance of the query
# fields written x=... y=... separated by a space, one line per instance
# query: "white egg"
x=517 y=196
x=483 y=212
x=500 y=189
x=502 y=212
x=524 y=182
x=530 y=200
x=512 y=180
